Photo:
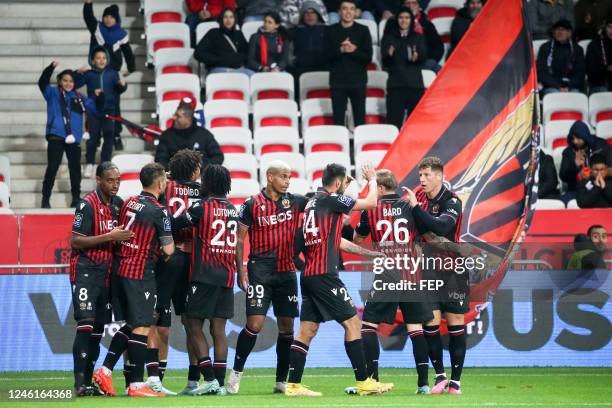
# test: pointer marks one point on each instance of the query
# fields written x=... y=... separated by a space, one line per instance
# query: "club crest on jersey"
x=83 y=306
x=286 y=203
x=78 y=220
x=435 y=209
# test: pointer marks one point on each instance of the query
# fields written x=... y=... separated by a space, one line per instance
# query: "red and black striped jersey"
x=179 y=196
x=272 y=228
x=322 y=230
x=215 y=235
x=444 y=204
x=93 y=217
x=150 y=223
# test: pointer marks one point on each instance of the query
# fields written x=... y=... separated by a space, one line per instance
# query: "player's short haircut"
x=332 y=172
x=385 y=178
x=431 y=162
x=150 y=173
x=598 y=159
x=105 y=166
x=186 y=108
x=216 y=181
x=277 y=165
x=594 y=227
x=184 y=163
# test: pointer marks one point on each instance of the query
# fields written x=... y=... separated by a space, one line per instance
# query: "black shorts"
x=172 y=279
x=206 y=301
x=267 y=285
x=137 y=300
x=91 y=300
x=115 y=296
x=452 y=307
x=324 y=298
x=384 y=312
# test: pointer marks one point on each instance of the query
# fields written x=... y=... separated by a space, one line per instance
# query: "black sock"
x=117 y=346
x=434 y=346
x=220 y=367
x=162 y=369
x=355 y=353
x=456 y=349
x=194 y=373
x=206 y=369
x=244 y=345
x=283 y=346
x=421 y=358
x=153 y=362
x=80 y=351
x=297 y=361
x=127 y=373
x=137 y=350
x=94 y=352
x=371 y=349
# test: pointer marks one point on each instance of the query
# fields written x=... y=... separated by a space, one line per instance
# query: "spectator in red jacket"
x=204 y=10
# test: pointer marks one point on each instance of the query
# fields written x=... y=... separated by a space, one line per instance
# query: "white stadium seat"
x=233 y=139
x=166 y=35
x=275 y=112
x=130 y=164
x=5 y=195
x=604 y=130
x=293 y=160
x=249 y=28
x=376 y=111
x=443 y=8
x=376 y=63
x=241 y=190
x=129 y=188
x=167 y=110
x=230 y=85
x=271 y=85
x=316 y=112
x=537 y=44
x=203 y=28
x=428 y=77
x=443 y=26
x=377 y=84
x=372 y=26
x=372 y=157
x=374 y=137
x=299 y=186
x=327 y=138
x=316 y=162
x=600 y=107
x=572 y=205
x=555 y=134
x=276 y=139
x=169 y=87
x=547 y=204
x=163 y=11
x=565 y=106
x=222 y=113
x=241 y=165
x=174 y=61
x=314 y=85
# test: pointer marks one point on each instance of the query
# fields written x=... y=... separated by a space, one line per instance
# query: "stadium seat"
x=170 y=87
x=314 y=85
x=166 y=35
x=555 y=134
x=584 y=44
x=271 y=85
x=299 y=186
x=565 y=106
x=374 y=137
x=546 y=204
x=327 y=138
x=428 y=77
x=294 y=160
x=249 y=28
x=372 y=26
x=316 y=162
x=381 y=29
x=203 y=28
x=5 y=195
x=174 y=61
x=376 y=111
x=166 y=113
x=221 y=113
x=572 y=205
x=275 y=112
x=6 y=211
x=604 y=130
x=536 y=46
x=241 y=165
x=241 y=190
x=230 y=85
x=5 y=170
x=372 y=157
x=234 y=139
x=443 y=8
x=130 y=164
x=600 y=107
x=316 y=112
x=376 y=63
x=276 y=139
x=377 y=84
x=443 y=26
x=163 y=11
x=129 y=188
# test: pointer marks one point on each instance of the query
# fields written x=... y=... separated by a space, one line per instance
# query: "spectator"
x=269 y=47
x=599 y=239
x=403 y=52
x=292 y=11
x=204 y=10
x=422 y=25
x=362 y=10
x=463 y=20
x=595 y=191
x=575 y=161
x=105 y=80
x=599 y=60
x=224 y=49
x=185 y=134
x=583 y=246
x=307 y=40
x=64 y=131
x=547 y=174
x=385 y=9
x=255 y=10
x=560 y=64
x=544 y=13
x=348 y=47
x=590 y=16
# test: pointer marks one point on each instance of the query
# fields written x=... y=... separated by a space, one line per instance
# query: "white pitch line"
x=429 y=404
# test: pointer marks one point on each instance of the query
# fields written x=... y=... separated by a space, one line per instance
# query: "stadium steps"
x=32 y=34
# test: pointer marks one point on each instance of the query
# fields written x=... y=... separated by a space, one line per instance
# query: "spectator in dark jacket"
x=269 y=47
x=599 y=60
x=204 y=10
x=185 y=134
x=224 y=49
x=308 y=39
x=403 y=52
x=544 y=13
x=255 y=10
x=106 y=80
x=560 y=63
x=292 y=15
x=463 y=20
x=65 y=110
x=422 y=25
x=590 y=16
x=385 y=9
x=596 y=190
x=548 y=180
x=348 y=47
x=362 y=10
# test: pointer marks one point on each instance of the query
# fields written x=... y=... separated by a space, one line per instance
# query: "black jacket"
x=461 y=23
x=547 y=186
x=402 y=71
x=278 y=51
x=435 y=47
x=597 y=71
x=348 y=70
x=214 y=50
x=197 y=138
x=307 y=48
x=588 y=195
x=567 y=62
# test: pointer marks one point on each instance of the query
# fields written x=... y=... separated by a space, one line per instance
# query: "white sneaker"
x=191 y=385
x=280 y=387
x=89 y=171
x=155 y=384
x=206 y=387
x=233 y=382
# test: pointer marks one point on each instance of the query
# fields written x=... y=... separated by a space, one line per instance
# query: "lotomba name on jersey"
x=274 y=219
x=134 y=205
x=390 y=212
x=225 y=212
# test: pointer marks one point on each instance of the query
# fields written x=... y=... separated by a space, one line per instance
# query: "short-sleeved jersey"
x=322 y=230
x=445 y=204
x=93 y=217
x=150 y=223
x=215 y=235
x=179 y=196
x=272 y=227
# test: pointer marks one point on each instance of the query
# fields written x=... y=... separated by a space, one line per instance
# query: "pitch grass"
x=482 y=387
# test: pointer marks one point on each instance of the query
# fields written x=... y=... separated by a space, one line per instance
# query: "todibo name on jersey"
x=186 y=191
x=275 y=218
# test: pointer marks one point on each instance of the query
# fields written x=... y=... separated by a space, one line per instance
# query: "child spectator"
x=204 y=10
x=599 y=60
x=64 y=131
x=269 y=47
x=105 y=80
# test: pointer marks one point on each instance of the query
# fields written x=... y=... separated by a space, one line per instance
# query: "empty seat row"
x=577 y=106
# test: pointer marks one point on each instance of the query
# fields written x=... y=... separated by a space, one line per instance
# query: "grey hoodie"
x=292 y=11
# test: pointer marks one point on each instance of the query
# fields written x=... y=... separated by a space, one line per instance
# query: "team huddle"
x=180 y=245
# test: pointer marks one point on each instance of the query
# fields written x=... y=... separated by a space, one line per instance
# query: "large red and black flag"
x=480 y=116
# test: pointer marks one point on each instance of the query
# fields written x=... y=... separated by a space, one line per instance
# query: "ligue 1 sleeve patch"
x=348 y=201
x=167 y=225
x=78 y=220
